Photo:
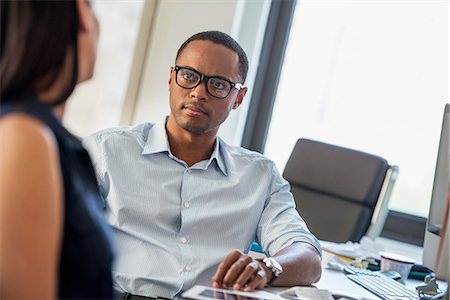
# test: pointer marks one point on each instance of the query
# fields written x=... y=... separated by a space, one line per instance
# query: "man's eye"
x=219 y=85
x=188 y=76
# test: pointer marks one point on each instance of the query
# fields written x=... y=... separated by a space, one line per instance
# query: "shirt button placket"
x=186 y=197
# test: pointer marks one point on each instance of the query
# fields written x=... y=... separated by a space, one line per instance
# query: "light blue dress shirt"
x=173 y=223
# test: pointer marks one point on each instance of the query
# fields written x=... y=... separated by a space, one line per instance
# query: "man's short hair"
x=224 y=39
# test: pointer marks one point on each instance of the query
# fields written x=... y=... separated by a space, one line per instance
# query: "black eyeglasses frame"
x=205 y=79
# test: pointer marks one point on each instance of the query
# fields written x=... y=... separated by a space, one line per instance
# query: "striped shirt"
x=174 y=224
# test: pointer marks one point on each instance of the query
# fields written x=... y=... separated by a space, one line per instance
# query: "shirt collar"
x=217 y=155
x=158 y=142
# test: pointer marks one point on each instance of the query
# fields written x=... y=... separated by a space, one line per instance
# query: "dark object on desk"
x=128 y=296
x=430 y=290
x=339 y=192
x=418 y=272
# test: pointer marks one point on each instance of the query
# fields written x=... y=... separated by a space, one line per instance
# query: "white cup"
x=396 y=262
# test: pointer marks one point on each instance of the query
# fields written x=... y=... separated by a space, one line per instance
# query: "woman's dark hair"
x=223 y=39
x=35 y=39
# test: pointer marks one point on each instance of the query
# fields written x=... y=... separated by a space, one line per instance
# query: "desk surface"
x=336 y=280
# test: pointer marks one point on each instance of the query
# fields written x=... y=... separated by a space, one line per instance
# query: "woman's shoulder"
x=22 y=130
x=26 y=144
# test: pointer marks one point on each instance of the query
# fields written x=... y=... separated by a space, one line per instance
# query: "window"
x=371 y=76
x=97 y=103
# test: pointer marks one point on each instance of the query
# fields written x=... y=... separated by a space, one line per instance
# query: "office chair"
x=341 y=193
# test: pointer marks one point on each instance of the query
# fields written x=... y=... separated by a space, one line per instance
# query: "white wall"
x=97 y=103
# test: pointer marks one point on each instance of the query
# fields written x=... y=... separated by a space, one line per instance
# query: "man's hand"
x=240 y=271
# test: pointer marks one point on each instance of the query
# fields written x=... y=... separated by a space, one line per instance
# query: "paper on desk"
x=365 y=248
x=337 y=263
x=306 y=293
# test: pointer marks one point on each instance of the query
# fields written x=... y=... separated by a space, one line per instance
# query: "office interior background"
x=369 y=75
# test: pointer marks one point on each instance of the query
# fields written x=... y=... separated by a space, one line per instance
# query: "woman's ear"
x=85 y=20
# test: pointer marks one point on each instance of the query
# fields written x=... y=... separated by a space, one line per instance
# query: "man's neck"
x=189 y=147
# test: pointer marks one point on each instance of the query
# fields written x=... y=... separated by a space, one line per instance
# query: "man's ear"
x=240 y=97
x=85 y=20
x=170 y=77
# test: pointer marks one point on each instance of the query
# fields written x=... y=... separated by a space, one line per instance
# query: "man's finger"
x=246 y=274
x=235 y=270
x=222 y=269
x=258 y=281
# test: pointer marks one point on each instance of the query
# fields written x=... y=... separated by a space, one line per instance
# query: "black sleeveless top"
x=86 y=255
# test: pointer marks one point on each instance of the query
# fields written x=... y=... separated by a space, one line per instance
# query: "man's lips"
x=194 y=110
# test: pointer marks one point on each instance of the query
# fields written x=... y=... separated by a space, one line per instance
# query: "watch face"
x=274 y=266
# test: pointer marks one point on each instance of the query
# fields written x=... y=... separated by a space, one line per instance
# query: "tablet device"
x=209 y=293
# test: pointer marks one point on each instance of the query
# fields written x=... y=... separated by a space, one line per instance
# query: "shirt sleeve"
x=281 y=225
x=93 y=147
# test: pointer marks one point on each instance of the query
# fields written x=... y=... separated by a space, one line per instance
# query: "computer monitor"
x=435 y=237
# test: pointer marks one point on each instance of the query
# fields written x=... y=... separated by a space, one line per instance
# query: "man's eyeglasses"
x=215 y=86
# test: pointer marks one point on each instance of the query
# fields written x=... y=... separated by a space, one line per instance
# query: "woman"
x=54 y=243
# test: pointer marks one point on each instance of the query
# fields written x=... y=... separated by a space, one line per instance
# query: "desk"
x=336 y=280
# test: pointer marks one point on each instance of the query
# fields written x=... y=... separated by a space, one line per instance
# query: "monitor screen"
x=439 y=202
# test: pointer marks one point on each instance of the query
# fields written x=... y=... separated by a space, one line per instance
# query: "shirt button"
x=186 y=204
x=183 y=240
x=188 y=269
x=189 y=171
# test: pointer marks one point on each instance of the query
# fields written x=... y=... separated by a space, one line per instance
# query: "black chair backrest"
x=335 y=188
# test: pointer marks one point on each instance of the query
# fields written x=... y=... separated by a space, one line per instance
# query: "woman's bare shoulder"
x=22 y=133
x=29 y=153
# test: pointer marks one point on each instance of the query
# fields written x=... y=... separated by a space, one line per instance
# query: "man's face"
x=195 y=110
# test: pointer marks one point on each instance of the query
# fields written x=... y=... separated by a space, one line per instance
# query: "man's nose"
x=200 y=91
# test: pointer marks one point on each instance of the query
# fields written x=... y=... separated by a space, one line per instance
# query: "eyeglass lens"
x=216 y=87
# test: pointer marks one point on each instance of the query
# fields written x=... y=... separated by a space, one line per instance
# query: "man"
x=185 y=207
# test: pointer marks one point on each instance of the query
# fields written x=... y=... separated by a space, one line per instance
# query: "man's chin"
x=194 y=126
x=196 y=130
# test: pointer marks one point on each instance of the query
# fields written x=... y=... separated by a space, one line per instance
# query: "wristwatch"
x=273 y=266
